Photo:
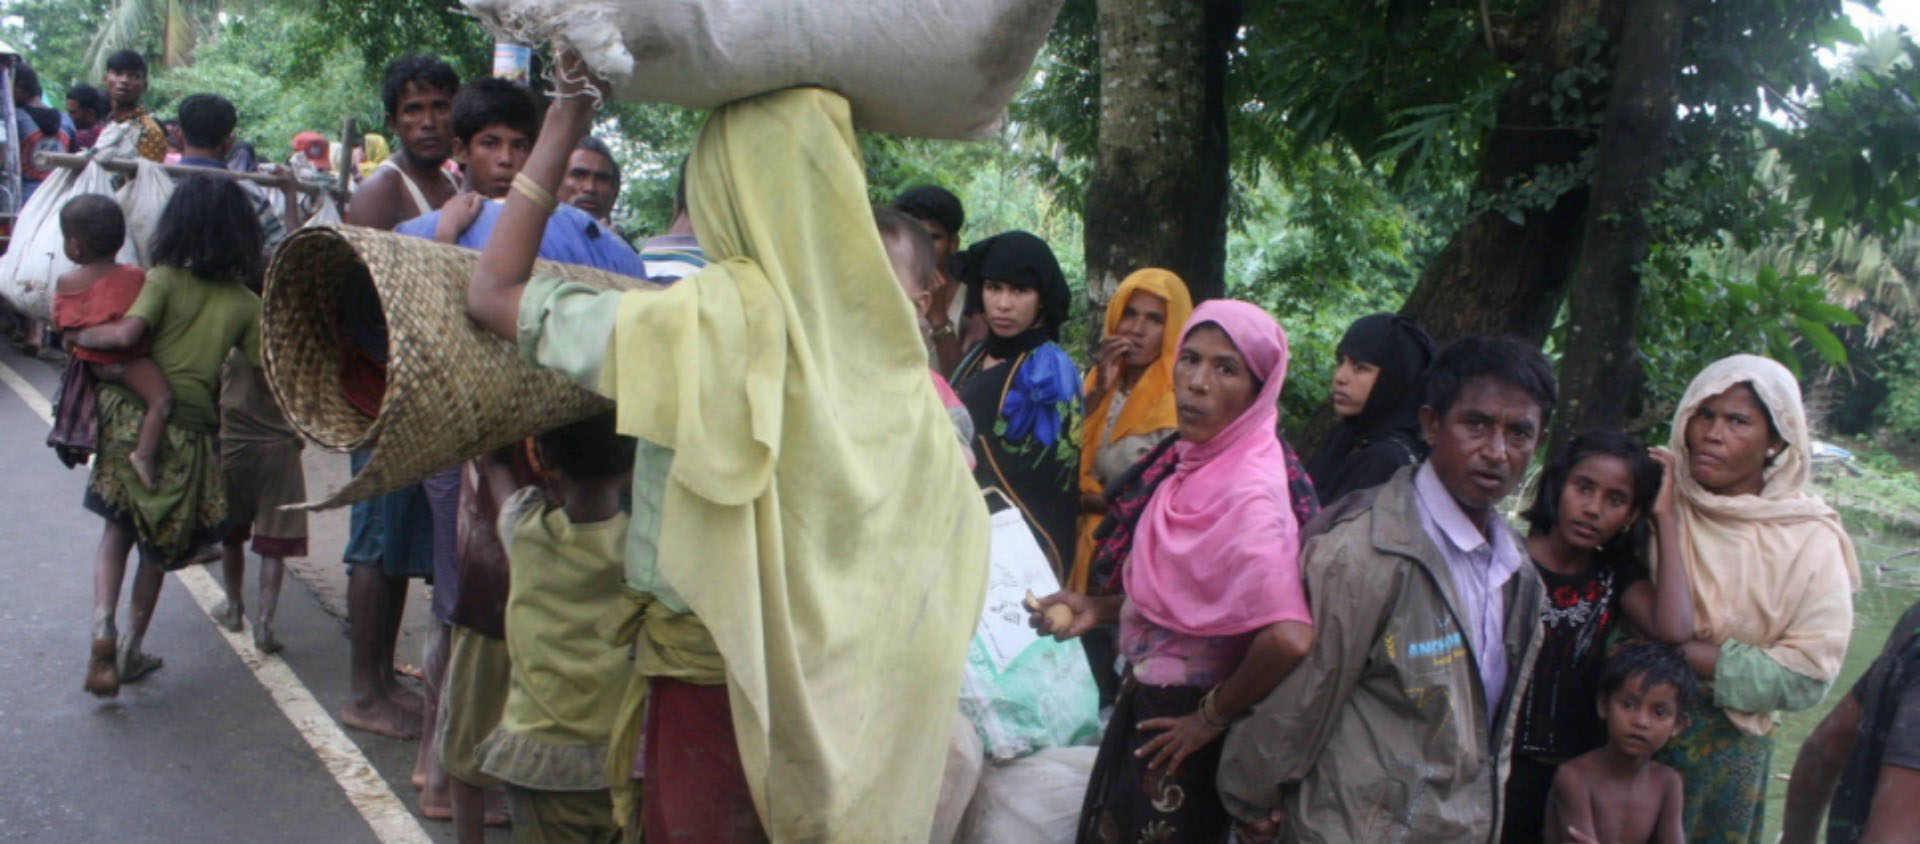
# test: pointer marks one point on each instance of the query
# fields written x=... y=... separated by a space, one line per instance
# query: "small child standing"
x=99 y=291
x=566 y=563
x=1617 y=793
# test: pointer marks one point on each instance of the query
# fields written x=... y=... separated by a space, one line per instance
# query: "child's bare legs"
x=233 y=570
x=144 y=378
x=429 y=774
x=109 y=569
x=233 y=576
x=273 y=571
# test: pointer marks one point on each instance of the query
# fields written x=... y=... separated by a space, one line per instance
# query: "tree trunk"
x=1497 y=276
x=1158 y=195
x=1601 y=379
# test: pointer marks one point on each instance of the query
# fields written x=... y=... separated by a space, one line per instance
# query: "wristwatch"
x=945 y=329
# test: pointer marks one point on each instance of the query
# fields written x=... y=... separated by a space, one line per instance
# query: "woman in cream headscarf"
x=1773 y=575
x=807 y=553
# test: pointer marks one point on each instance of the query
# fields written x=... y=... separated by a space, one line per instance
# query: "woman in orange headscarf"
x=1129 y=394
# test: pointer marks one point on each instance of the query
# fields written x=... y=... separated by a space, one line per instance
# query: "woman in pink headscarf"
x=1214 y=614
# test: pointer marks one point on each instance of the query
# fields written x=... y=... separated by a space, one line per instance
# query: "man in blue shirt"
x=207 y=122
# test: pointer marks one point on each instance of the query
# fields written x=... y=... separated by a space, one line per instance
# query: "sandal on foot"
x=136 y=665
x=103 y=676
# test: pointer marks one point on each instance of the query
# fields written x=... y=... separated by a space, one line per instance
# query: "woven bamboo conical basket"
x=453 y=391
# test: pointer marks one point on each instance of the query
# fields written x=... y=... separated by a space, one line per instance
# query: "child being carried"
x=99 y=291
x=1617 y=793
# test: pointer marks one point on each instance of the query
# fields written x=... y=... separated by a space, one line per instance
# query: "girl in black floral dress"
x=1601 y=501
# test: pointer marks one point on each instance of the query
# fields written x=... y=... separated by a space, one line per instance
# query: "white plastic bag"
x=1022 y=691
x=118 y=140
x=328 y=214
x=1035 y=800
x=961 y=779
x=37 y=254
x=928 y=68
x=143 y=200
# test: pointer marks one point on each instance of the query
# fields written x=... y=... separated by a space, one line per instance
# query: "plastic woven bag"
x=37 y=255
x=143 y=200
x=960 y=779
x=327 y=214
x=929 y=68
x=1024 y=692
x=1035 y=800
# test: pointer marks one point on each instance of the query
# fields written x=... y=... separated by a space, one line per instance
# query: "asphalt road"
x=221 y=744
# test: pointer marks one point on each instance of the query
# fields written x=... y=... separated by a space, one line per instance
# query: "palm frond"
x=126 y=23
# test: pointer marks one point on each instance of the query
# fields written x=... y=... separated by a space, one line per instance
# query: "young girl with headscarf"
x=1020 y=387
x=1773 y=575
x=1377 y=392
x=1214 y=614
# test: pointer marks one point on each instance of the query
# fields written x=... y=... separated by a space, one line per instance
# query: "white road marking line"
x=390 y=819
x=27 y=393
x=392 y=822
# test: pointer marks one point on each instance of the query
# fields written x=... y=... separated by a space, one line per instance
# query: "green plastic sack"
x=1022 y=691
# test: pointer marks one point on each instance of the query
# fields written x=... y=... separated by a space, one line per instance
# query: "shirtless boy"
x=1617 y=793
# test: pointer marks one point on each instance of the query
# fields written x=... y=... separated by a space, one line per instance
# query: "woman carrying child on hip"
x=98 y=291
x=193 y=308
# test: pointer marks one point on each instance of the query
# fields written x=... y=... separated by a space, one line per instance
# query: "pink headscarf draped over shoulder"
x=1216 y=551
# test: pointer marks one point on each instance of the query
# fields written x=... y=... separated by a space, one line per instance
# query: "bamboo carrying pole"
x=126 y=165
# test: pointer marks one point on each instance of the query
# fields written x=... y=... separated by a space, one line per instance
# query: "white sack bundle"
x=144 y=201
x=1035 y=800
x=929 y=68
x=37 y=255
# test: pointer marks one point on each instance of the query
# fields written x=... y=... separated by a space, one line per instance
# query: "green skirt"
x=186 y=509
x=1725 y=771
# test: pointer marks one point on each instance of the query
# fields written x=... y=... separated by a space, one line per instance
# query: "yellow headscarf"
x=376 y=151
x=819 y=517
x=1774 y=570
x=1149 y=405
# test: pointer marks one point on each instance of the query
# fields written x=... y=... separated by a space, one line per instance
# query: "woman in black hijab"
x=1020 y=387
x=1378 y=388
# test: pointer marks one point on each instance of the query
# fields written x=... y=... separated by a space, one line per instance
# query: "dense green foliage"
x=1357 y=130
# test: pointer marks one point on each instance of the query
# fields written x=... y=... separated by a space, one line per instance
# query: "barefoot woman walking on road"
x=194 y=308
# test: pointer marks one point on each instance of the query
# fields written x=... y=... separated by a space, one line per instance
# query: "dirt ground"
x=322 y=571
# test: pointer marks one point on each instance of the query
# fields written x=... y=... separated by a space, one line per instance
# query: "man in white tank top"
x=381 y=558
x=411 y=182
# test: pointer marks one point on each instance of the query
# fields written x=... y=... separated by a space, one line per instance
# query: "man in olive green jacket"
x=1397 y=725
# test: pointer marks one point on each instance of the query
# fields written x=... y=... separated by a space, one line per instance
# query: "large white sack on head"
x=1034 y=800
x=143 y=200
x=927 y=68
x=958 y=783
x=37 y=254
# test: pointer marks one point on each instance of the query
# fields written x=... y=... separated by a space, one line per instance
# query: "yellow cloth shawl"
x=819 y=519
x=1774 y=570
x=1149 y=405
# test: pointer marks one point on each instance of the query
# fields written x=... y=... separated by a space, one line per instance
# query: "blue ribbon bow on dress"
x=1046 y=379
